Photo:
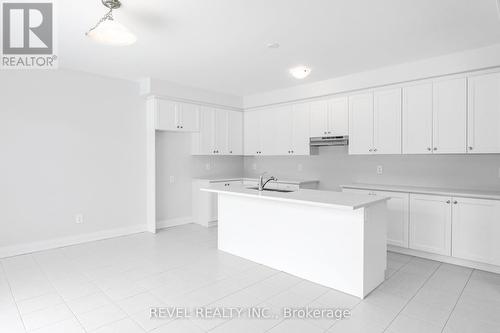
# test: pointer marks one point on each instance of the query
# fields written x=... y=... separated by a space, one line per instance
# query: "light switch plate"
x=300 y=167
x=254 y=166
x=380 y=170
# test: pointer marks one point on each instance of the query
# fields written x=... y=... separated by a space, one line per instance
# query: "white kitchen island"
x=332 y=238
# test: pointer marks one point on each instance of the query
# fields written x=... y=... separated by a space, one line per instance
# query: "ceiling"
x=220 y=45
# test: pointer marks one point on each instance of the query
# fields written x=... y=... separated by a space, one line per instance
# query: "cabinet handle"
x=375 y=150
x=435 y=149
x=370 y=150
x=230 y=152
x=429 y=148
x=448 y=201
x=455 y=202
x=470 y=148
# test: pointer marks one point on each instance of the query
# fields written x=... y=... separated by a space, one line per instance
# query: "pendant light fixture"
x=108 y=31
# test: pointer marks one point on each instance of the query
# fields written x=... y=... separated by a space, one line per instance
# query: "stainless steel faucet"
x=263 y=183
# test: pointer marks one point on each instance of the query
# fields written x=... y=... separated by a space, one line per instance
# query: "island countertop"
x=331 y=199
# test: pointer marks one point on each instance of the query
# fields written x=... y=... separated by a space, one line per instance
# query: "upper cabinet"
x=221 y=133
x=484 y=114
x=387 y=121
x=292 y=129
x=449 y=134
x=361 y=124
x=417 y=119
x=435 y=117
x=329 y=117
x=375 y=122
x=259 y=132
x=177 y=116
x=235 y=133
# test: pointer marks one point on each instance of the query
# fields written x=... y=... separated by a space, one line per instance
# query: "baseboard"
x=174 y=222
x=445 y=259
x=15 y=250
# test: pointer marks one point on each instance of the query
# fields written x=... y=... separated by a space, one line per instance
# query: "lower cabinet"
x=462 y=228
x=397 y=219
x=430 y=223
x=476 y=230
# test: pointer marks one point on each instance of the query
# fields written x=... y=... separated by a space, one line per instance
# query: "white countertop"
x=281 y=181
x=331 y=199
x=482 y=194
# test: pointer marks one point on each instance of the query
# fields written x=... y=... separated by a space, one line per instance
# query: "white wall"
x=69 y=143
x=470 y=60
x=170 y=90
x=333 y=167
x=173 y=158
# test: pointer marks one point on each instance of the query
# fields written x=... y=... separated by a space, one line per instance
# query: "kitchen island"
x=332 y=238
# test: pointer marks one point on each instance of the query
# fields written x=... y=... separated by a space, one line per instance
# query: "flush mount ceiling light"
x=300 y=72
x=108 y=31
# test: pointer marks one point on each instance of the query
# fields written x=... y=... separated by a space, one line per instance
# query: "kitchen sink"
x=270 y=190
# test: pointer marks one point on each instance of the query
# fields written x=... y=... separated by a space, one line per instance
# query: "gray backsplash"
x=333 y=166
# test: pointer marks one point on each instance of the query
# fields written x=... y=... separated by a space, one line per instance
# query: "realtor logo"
x=28 y=35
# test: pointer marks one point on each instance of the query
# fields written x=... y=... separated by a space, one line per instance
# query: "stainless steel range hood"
x=329 y=141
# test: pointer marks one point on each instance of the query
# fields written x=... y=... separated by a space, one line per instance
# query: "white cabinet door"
x=430 y=223
x=450 y=116
x=417 y=119
x=235 y=135
x=267 y=122
x=203 y=142
x=338 y=116
x=476 y=230
x=221 y=132
x=387 y=122
x=189 y=117
x=283 y=129
x=300 y=129
x=167 y=115
x=251 y=132
x=397 y=219
x=319 y=118
x=361 y=124
x=484 y=114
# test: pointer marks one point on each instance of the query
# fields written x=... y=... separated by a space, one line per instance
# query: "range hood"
x=329 y=141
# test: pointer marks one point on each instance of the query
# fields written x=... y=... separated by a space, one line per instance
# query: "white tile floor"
x=109 y=286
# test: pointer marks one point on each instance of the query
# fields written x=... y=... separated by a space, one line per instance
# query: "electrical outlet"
x=254 y=166
x=380 y=170
x=208 y=167
x=172 y=179
x=300 y=167
x=79 y=218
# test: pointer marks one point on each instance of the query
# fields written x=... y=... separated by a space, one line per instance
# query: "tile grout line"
x=55 y=289
x=12 y=295
x=458 y=299
x=360 y=301
x=411 y=298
